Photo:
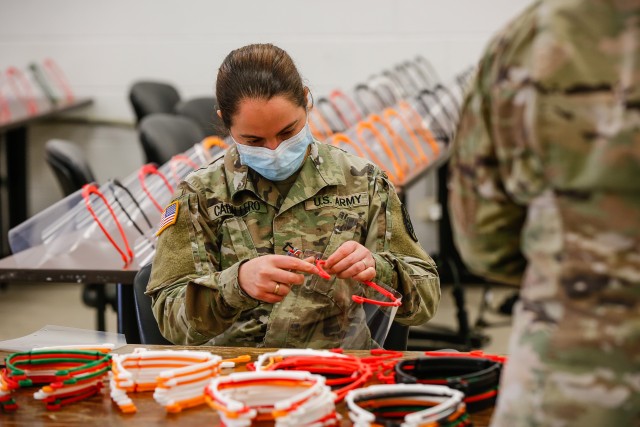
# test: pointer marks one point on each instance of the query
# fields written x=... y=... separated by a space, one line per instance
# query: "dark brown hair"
x=257 y=71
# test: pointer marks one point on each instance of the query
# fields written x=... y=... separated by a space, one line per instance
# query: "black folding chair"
x=164 y=135
x=147 y=325
x=149 y=97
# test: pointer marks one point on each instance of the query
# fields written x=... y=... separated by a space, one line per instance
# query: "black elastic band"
x=114 y=182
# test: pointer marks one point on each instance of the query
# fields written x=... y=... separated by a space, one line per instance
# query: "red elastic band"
x=180 y=158
x=151 y=169
x=89 y=189
x=22 y=89
x=56 y=73
x=340 y=94
x=395 y=302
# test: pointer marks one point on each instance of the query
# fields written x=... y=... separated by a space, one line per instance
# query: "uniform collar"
x=318 y=171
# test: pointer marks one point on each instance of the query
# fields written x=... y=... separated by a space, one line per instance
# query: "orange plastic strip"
x=397 y=174
x=341 y=138
x=423 y=131
x=316 y=115
x=395 y=140
x=391 y=112
x=214 y=141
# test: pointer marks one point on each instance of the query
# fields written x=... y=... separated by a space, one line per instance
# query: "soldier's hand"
x=352 y=261
x=269 y=278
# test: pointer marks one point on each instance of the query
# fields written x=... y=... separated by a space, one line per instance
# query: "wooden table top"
x=99 y=410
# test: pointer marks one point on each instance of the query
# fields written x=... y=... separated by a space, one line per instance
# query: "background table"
x=99 y=411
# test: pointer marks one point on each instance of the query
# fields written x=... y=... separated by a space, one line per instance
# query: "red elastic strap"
x=5 y=111
x=56 y=74
x=22 y=89
x=151 y=169
x=89 y=189
x=180 y=158
x=395 y=302
x=352 y=106
x=321 y=272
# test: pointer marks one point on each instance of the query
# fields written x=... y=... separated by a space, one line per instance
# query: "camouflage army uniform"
x=545 y=190
x=228 y=214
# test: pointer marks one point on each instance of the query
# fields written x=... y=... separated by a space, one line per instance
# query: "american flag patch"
x=169 y=217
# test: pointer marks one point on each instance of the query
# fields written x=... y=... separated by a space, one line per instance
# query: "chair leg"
x=101 y=305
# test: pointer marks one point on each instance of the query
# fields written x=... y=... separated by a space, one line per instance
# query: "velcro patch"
x=351 y=200
x=169 y=217
x=407 y=223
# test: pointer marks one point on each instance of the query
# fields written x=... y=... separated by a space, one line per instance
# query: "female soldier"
x=220 y=275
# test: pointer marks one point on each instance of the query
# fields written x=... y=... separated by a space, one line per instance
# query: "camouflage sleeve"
x=400 y=260
x=492 y=170
x=192 y=300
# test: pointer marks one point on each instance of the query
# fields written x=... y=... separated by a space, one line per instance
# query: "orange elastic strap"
x=244 y=358
x=22 y=89
x=214 y=141
x=89 y=189
x=316 y=132
x=374 y=118
x=391 y=112
x=149 y=169
x=340 y=94
x=317 y=114
x=57 y=74
x=339 y=138
x=394 y=175
x=424 y=132
x=184 y=404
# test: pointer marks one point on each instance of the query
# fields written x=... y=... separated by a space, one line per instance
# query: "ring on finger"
x=276 y=290
x=364 y=263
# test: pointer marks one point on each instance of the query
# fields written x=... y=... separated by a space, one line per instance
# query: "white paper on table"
x=53 y=335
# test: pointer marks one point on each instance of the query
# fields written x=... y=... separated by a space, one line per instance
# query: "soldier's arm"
x=193 y=301
x=400 y=260
x=485 y=215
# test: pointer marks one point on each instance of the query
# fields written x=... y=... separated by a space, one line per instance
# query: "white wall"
x=104 y=46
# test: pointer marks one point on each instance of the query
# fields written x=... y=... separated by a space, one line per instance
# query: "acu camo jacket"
x=545 y=191
x=229 y=214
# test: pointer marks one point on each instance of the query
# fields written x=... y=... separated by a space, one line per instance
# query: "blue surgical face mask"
x=281 y=163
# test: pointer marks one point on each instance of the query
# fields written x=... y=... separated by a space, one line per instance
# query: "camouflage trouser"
x=541 y=387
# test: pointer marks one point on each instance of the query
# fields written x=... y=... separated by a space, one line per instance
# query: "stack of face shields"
x=287 y=398
x=72 y=374
x=407 y=405
x=178 y=378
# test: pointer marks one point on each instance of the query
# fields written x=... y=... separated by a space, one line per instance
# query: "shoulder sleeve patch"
x=168 y=217
x=407 y=223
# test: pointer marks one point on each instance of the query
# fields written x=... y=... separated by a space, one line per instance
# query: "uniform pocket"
x=236 y=244
x=348 y=226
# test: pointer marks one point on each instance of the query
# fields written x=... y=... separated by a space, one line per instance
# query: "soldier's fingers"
x=343 y=251
x=353 y=270
x=350 y=260
x=366 y=275
x=291 y=263
x=287 y=277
